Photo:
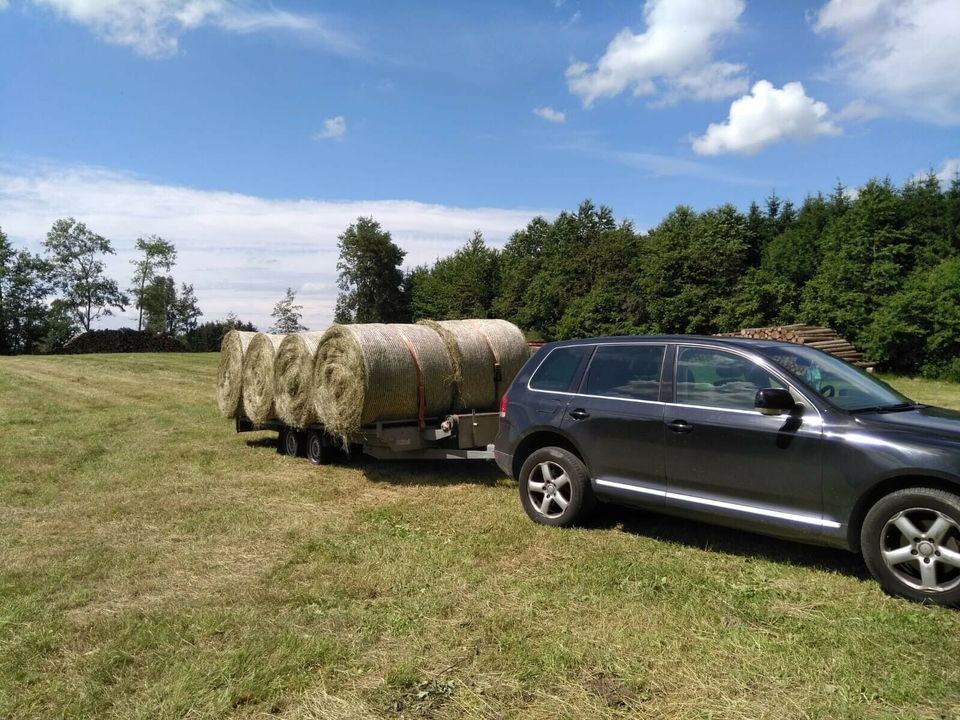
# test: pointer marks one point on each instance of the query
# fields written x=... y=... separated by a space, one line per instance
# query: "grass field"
x=155 y=564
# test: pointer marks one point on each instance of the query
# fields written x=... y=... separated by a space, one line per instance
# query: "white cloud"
x=765 y=116
x=903 y=55
x=333 y=129
x=4 y=4
x=947 y=173
x=859 y=111
x=549 y=114
x=672 y=60
x=240 y=251
x=153 y=27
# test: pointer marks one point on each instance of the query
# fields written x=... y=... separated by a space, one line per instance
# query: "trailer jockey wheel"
x=291 y=443
x=318 y=451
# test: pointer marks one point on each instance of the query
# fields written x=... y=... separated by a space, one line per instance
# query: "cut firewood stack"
x=821 y=338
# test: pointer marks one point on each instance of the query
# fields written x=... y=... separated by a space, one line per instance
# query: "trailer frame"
x=458 y=436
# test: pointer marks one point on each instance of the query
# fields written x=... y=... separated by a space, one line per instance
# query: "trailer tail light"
x=503 y=406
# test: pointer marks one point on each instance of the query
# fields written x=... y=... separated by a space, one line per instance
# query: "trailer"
x=467 y=436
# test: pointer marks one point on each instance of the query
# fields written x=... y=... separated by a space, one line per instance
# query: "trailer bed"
x=466 y=436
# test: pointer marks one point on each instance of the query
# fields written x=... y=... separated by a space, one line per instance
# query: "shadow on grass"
x=705 y=536
x=436 y=473
x=263 y=442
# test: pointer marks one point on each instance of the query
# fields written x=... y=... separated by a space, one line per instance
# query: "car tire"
x=555 y=487
x=910 y=541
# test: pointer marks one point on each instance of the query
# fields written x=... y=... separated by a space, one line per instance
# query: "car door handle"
x=579 y=414
x=680 y=426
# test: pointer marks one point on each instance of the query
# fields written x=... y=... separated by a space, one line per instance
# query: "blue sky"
x=250 y=133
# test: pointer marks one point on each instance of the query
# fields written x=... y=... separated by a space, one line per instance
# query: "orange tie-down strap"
x=497 y=371
x=421 y=392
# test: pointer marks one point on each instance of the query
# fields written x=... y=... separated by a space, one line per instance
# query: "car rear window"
x=626 y=371
x=557 y=371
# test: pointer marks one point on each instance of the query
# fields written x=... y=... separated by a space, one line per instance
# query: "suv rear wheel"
x=555 y=487
x=911 y=543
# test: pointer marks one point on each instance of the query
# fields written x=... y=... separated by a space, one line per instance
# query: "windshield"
x=845 y=386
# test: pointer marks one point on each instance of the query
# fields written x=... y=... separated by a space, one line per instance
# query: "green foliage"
x=158 y=301
x=6 y=255
x=75 y=254
x=920 y=324
x=207 y=336
x=168 y=310
x=24 y=288
x=186 y=311
x=866 y=254
x=459 y=286
x=690 y=263
x=370 y=279
x=60 y=327
x=286 y=315
x=158 y=254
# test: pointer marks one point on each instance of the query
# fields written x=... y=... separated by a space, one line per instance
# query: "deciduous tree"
x=286 y=315
x=157 y=255
x=370 y=276
x=75 y=256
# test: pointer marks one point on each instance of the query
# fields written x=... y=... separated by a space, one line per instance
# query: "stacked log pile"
x=124 y=340
x=821 y=338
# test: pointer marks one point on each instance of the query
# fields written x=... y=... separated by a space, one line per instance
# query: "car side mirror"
x=774 y=401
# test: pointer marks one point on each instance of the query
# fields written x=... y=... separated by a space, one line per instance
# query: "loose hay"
x=230 y=371
x=258 y=377
x=475 y=346
x=366 y=373
x=293 y=379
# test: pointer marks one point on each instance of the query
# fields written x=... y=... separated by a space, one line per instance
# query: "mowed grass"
x=155 y=564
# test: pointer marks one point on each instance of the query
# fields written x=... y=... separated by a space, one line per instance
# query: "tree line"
x=47 y=298
x=881 y=266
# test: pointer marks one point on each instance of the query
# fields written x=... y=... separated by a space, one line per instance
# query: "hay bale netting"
x=293 y=379
x=366 y=373
x=475 y=346
x=258 y=377
x=230 y=371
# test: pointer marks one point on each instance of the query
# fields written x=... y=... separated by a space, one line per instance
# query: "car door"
x=616 y=419
x=726 y=460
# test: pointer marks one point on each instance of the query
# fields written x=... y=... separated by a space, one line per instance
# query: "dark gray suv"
x=771 y=437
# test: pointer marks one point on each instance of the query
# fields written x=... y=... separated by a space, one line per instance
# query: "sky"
x=251 y=134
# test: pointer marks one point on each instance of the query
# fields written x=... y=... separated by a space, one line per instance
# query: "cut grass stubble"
x=157 y=565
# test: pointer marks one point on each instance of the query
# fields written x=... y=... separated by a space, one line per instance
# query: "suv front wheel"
x=555 y=487
x=911 y=543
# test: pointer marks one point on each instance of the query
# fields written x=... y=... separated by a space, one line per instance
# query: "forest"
x=880 y=265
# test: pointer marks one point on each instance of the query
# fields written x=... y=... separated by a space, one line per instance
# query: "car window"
x=714 y=378
x=626 y=371
x=842 y=385
x=557 y=371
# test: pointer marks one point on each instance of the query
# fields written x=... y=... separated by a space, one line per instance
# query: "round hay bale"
x=258 y=377
x=230 y=371
x=475 y=346
x=293 y=379
x=366 y=373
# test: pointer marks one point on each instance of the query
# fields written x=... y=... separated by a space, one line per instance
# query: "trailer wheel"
x=291 y=443
x=318 y=451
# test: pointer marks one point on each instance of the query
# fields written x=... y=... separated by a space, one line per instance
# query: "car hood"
x=921 y=421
